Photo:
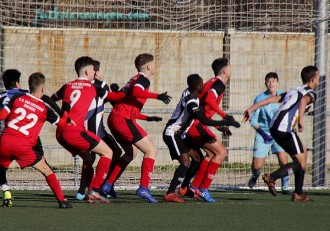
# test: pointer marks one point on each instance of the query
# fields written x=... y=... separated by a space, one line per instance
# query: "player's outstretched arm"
x=141 y=93
x=248 y=112
x=51 y=103
x=141 y=116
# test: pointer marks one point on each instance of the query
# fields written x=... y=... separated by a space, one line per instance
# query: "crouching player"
x=25 y=116
x=186 y=111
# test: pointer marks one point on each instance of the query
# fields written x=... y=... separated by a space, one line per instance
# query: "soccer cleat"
x=96 y=197
x=146 y=194
x=65 y=204
x=113 y=193
x=252 y=182
x=106 y=187
x=195 y=191
x=187 y=192
x=270 y=183
x=81 y=197
x=205 y=194
x=172 y=197
x=303 y=197
x=7 y=200
x=286 y=192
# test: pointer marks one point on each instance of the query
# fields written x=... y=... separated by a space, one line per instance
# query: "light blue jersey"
x=262 y=117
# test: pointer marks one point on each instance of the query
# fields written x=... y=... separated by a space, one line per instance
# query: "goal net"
x=185 y=37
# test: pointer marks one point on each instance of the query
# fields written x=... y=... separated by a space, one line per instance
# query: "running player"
x=283 y=125
x=263 y=141
x=185 y=112
x=25 y=116
x=94 y=123
x=202 y=136
x=79 y=94
x=122 y=123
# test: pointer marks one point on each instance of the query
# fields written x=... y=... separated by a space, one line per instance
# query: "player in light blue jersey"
x=263 y=141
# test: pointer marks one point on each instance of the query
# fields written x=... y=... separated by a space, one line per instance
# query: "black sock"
x=179 y=174
x=190 y=173
x=286 y=170
x=3 y=175
x=299 y=181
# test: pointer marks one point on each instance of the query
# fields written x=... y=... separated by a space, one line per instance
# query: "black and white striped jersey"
x=94 y=118
x=181 y=117
x=285 y=119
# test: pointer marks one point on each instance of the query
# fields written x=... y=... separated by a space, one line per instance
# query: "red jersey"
x=215 y=87
x=79 y=94
x=27 y=114
x=130 y=106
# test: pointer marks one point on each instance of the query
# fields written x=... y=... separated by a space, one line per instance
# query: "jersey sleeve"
x=140 y=89
x=51 y=116
x=218 y=88
x=192 y=105
x=282 y=97
x=312 y=96
x=142 y=82
x=59 y=94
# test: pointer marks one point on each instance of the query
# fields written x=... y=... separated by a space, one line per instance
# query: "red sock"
x=101 y=173
x=146 y=171
x=117 y=171
x=209 y=174
x=54 y=184
x=200 y=174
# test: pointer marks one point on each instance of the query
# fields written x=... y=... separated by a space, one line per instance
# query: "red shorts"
x=25 y=155
x=199 y=134
x=126 y=131
x=77 y=141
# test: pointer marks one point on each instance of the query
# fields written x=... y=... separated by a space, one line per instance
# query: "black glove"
x=154 y=118
x=229 y=118
x=114 y=87
x=164 y=97
x=225 y=131
x=229 y=123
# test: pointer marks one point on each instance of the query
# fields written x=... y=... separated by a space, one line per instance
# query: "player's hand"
x=233 y=123
x=225 y=131
x=114 y=87
x=267 y=138
x=246 y=115
x=154 y=118
x=229 y=117
x=164 y=97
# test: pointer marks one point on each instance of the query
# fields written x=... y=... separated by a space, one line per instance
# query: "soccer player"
x=203 y=137
x=185 y=112
x=79 y=94
x=283 y=125
x=94 y=123
x=123 y=125
x=11 y=81
x=25 y=116
x=263 y=141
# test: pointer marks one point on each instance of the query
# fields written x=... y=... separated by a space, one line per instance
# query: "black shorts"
x=175 y=145
x=290 y=142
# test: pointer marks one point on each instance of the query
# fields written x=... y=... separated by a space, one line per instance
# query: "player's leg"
x=87 y=174
x=149 y=150
x=260 y=152
x=7 y=200
x=52 y=181
x=283 y=160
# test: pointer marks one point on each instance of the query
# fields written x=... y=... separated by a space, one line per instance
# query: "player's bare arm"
x=302 y=108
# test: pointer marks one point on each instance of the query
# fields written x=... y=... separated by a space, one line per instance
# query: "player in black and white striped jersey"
x=289 y=115
x=186 y=111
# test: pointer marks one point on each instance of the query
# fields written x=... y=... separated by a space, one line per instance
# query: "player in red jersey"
x=79 y=94
x=25 y=115
x=122 y=123
x=201 y=135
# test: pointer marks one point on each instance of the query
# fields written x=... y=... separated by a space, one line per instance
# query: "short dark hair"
x=96 y=65
x=142 y=59
x=83 y=62
x=307 y=73
x=35 y=80
x=219 y=64
x=193 y=81
x=10 y=77
x=271 y=75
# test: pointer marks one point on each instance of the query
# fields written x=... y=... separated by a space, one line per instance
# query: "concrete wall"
x=252 y=55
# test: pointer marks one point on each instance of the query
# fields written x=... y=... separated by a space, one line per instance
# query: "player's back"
x=217 y=87
x=129 y=106
x=25 y=120
x=79 y=94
